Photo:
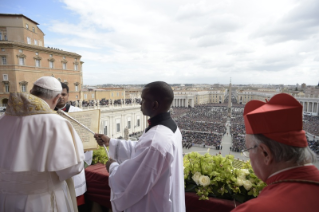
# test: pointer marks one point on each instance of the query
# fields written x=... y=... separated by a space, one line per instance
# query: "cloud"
x=299 y=23
x=188 y=41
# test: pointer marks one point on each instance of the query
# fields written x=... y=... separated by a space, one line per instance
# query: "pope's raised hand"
x=102 y=139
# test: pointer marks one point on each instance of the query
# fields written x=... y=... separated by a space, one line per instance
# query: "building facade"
x=191 y=98
x=24 y=58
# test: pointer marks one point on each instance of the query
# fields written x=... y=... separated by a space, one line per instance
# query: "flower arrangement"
x=216 y=176
x=99 y=156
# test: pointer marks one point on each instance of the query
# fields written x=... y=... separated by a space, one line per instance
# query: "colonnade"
x=310 y=107
x=183 y=102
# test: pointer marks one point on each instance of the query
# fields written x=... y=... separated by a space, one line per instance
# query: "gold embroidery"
x=21 y=104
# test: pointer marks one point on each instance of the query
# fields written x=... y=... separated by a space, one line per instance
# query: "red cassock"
x=287 y=196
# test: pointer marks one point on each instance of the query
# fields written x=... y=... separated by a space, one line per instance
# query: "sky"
x=183 y=41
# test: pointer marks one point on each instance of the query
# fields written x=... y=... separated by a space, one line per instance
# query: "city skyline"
x=183 y=42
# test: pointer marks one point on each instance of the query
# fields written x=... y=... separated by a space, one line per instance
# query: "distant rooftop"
x=20 y=15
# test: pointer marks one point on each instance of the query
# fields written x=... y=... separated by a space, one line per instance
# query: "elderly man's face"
x=256 y=158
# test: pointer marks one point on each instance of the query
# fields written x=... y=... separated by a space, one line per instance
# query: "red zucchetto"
x=280 y=119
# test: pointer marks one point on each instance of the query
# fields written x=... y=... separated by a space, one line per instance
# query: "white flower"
x=247 y=184
x=204 y=180
x=196 y=177
x=246 y=171
x=239 y=181
x=242 y=176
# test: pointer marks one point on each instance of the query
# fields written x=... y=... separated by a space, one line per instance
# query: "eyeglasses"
x=246 y=151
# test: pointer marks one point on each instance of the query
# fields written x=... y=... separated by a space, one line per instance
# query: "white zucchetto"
x=49 y=83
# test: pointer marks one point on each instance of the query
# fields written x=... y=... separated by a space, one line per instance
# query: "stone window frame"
x=6 y=84
x=64 y=62
x=51 y=60
x=37 y=58
x=3 y=77
x=23 y=84
x=3 y=59
x=21 y=55
x=76 y=67
x=76 y=85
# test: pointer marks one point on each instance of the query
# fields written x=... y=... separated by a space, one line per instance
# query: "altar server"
x=280 y=156
x=148 y=175
x=79 y=180
x=40 y=152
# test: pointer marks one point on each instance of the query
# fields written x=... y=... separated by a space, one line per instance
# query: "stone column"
x=111 y=123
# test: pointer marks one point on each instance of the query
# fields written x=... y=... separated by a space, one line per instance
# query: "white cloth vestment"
x=79 y=179
x=150 y=174
x=40 y=152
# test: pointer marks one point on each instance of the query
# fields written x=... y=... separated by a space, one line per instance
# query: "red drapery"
x=98 y=191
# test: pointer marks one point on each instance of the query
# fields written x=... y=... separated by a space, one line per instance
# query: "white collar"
x=62 y=107
x=286 y=169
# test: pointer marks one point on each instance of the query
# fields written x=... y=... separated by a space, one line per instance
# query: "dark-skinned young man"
x=148 y=175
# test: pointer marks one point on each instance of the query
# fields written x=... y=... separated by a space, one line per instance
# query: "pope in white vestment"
x=148 y=175
x=40 y=152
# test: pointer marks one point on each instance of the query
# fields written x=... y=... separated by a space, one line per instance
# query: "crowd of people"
x=207 y=139
x=104 y=102
x=311 y=124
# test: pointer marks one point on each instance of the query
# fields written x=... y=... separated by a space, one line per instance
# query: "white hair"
x=44 y=93
x=283 y=152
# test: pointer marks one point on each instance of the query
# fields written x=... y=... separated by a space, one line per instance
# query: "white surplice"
x=150 y=175
x=79 y=179
x=40 y=152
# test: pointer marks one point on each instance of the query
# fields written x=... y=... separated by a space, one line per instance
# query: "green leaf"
x=190 y=188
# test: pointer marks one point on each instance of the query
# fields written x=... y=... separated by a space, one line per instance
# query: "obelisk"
x=229 y=100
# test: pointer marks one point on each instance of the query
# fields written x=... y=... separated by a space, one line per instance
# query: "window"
x=0 y=36
x=118 y=128
x=138 y=122
x=40 y=43
x=51 y=55
x=23 y=88
x=92 y=95
x=75 y=67
x=64 y=66
x=76 y=88
x=117 y=93
x=35 y=42
x=4 y=60
x=112 y=94
x=5 y=77
x=27 y=26
x=37 y=63
x=105 y=130
x=50 y=64
x=33 y=30
x=28 y=40
x=20 y=50
x=129 y=124
x=5 y=37
x=37 y=53
x=85 y=96
x=63 y=57
x=6 y=88
x=21 y=61
x=2 y=49
x=76 y=96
